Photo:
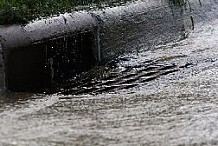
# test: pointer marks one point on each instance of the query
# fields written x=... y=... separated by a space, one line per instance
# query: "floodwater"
x=172 y=100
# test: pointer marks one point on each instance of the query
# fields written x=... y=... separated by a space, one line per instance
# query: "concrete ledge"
x=141 y=24
x=18 y=36
x=44 y=53
x=33 y=53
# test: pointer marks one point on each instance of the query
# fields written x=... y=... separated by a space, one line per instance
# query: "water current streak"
x=115 y=79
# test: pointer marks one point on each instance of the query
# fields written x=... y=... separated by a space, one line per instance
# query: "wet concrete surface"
x=177 y=107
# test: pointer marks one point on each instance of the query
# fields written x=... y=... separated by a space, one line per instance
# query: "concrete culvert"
x=47 y=52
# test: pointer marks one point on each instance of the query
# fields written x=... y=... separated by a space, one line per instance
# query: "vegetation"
x=22 y=11
x=178 y=2
x=182 y=2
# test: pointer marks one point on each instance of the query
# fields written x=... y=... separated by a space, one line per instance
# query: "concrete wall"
x=138 y=26
x=39 y=55
x=45 y=53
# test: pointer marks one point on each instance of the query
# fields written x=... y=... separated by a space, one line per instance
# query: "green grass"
x=181 y=2
x=177 y=2
x=22 y=11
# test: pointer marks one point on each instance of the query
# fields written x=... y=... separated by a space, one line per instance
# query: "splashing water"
x=177 y=108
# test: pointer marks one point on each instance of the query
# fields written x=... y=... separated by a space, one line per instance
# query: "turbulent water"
x=172 y=100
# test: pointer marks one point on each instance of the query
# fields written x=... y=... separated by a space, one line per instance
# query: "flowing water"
x=165 y=95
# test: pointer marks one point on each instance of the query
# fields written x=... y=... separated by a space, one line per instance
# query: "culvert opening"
x=44 y=66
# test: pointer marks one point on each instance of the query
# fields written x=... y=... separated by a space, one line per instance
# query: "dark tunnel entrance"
x=43 y=66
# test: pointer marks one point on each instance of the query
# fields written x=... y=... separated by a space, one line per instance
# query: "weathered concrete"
x=47 y=52
x=142 y=24
x=34 y=53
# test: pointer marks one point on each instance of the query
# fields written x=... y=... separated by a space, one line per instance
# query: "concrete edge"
x=17 y=36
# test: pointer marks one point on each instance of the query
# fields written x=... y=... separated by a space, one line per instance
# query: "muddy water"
x=172 y=100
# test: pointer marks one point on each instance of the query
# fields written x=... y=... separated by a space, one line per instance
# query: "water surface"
x=173 y=108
